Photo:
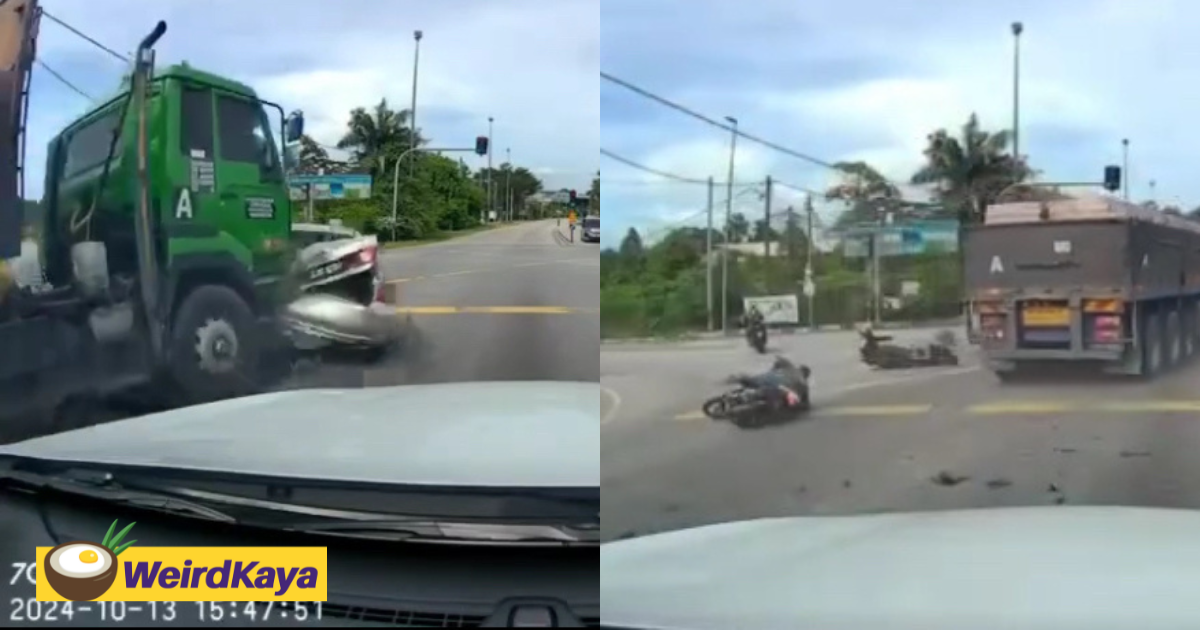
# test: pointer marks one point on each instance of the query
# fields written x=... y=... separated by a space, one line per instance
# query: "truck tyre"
x=1152 y=346
x=1172 y=340
x=212 y=349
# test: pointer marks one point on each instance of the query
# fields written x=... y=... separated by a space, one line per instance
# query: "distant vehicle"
x=591 y=230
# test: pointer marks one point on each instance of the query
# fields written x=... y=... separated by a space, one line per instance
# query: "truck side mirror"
x=1112 y=178
x=294 y=126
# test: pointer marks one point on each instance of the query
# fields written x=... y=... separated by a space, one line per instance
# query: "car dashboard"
x=374 y=583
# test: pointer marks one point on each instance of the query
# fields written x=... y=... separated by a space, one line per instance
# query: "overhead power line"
x=721 y=125
x=664 y=174
x=63 y=80
x=87 y=38
x=715 y=123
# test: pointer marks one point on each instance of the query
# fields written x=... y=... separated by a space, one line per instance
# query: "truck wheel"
x=1152 y=346
x=1173 y=340
x=213 y=351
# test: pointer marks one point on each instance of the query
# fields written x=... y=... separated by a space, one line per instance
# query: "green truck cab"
x=165 y=241
x=216 y=186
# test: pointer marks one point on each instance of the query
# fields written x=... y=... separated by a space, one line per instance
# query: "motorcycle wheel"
x=716 y=408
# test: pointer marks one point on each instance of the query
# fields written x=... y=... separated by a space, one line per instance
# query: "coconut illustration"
x=81 y=570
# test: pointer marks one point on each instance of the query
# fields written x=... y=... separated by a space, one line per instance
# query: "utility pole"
x=491 y=204
x=1017 y=29
x=708 y=260
x=1125 y=167
x=728 y=216
x=767 y=224
x=810 y=288
x=508 y=180
x=413 y=111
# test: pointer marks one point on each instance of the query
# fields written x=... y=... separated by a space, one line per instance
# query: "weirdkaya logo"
x=87 y=571
x=82 y=571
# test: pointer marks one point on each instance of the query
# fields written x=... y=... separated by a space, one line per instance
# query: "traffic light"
x=572 y=197
x=481 y=145
x=1112 y=178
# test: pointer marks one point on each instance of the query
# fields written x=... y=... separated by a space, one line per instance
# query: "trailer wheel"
x=1152 y=348
x=1172 y=339
x=212 y=349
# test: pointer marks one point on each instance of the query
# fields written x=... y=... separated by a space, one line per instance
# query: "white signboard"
x=776 y=309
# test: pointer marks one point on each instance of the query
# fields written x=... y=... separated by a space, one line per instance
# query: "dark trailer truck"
x=1084 y=280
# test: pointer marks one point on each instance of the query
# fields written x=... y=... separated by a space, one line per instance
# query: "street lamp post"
x=412 y=115
x=491 y=205
x=728 y=216
x=1125 y=167
x=1017 y=29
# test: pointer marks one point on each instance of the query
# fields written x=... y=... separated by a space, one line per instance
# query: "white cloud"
x=869 y=80
x=530 y=64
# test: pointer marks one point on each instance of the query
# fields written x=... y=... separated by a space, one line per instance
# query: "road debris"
x=947 y=478
x=996 y=484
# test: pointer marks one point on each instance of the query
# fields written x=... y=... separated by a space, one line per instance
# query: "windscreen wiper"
x=103 y=487
x=459 y=532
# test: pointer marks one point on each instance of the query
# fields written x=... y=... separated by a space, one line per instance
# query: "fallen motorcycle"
x=748 y=405
x=876 y=352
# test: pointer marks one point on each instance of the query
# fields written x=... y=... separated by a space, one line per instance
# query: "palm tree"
x=863 y=189
x=739 y=228
x=375 y=138
x=972 y=170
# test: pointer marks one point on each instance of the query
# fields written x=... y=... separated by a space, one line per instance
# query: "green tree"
x=970 y=171
x=739 y=228
x=520 y=180
x=863 y=189
x=377 y=137
x=314 y=158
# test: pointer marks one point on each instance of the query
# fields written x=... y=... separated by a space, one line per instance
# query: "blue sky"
x=513 y=60
x=868 y=79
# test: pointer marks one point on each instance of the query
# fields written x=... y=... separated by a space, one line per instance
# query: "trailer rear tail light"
x=992 y=326
x=1103 y=306
x=1106 y=329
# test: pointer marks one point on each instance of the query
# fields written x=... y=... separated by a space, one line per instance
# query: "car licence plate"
x=1046 y=316
x=326 y=270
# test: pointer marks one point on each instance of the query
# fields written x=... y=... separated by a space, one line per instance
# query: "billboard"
x=905 y=239
x=776 y=309
x=354 y=186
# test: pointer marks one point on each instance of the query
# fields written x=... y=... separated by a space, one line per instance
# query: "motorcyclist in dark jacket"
x=784 y=385
x=756 y=325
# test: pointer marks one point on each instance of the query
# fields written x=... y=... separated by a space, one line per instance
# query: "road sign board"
x=349 y=186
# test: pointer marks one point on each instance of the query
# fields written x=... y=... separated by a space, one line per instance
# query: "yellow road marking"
x=1021 y=407
x=875 y=410
x=1152 y=406
x=490 y=310
x=457 y=273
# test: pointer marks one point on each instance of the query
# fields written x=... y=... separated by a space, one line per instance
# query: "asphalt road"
x=517 y=302
x=513 y=303
x=892 y=441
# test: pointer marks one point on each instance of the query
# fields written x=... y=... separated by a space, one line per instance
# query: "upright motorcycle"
x=756 y=336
